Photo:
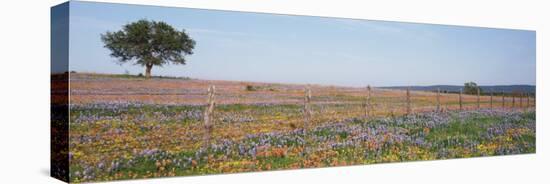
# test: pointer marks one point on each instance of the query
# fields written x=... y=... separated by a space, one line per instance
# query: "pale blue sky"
x=300 y=49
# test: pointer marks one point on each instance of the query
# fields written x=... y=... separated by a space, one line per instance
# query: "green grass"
x=278 y=162
x=468 y=129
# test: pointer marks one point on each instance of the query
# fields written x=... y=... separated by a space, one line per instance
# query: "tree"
x=471 y=88
x=149 y=43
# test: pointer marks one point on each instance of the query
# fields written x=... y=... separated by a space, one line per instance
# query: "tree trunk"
x=148 y=68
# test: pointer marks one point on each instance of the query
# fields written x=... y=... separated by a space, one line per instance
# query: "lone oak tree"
x=149 y=43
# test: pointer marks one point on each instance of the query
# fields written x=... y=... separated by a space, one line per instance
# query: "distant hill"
x=455 y=89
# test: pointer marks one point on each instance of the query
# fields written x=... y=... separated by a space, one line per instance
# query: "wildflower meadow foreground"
x=144 y=139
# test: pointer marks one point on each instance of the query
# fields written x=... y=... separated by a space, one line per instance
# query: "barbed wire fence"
x=367 y=107
x=371 y=105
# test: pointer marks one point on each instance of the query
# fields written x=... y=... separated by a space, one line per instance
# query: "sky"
x=311 y=50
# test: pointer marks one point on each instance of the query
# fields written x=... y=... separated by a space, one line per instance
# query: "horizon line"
x=292 y=83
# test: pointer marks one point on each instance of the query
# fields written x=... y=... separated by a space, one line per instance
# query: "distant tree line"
x=472 y=87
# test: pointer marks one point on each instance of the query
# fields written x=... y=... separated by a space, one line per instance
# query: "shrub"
x=250 y=88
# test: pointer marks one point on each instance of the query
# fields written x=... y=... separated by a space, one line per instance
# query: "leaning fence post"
x=478 y=105
x=460 y=100
x=438 y=109
x=208 y=125
x=307 y=108
x=408 y=101
x=367 y=103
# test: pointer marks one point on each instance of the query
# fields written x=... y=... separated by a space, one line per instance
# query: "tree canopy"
x=471 y=88
x=149 y=43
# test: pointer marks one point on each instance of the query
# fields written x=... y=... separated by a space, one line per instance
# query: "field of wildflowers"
x=126 y=128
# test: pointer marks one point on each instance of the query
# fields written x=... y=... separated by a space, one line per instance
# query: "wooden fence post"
x=208 y=124
x=528 y=100
x=367 y=103
x=478 y=105
x=491 y=101
x=307 y=107
x=460 y=100
x=513 y=101
x=438 y=109
x=503 y=100
x=408 y=101
x=521 y=100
